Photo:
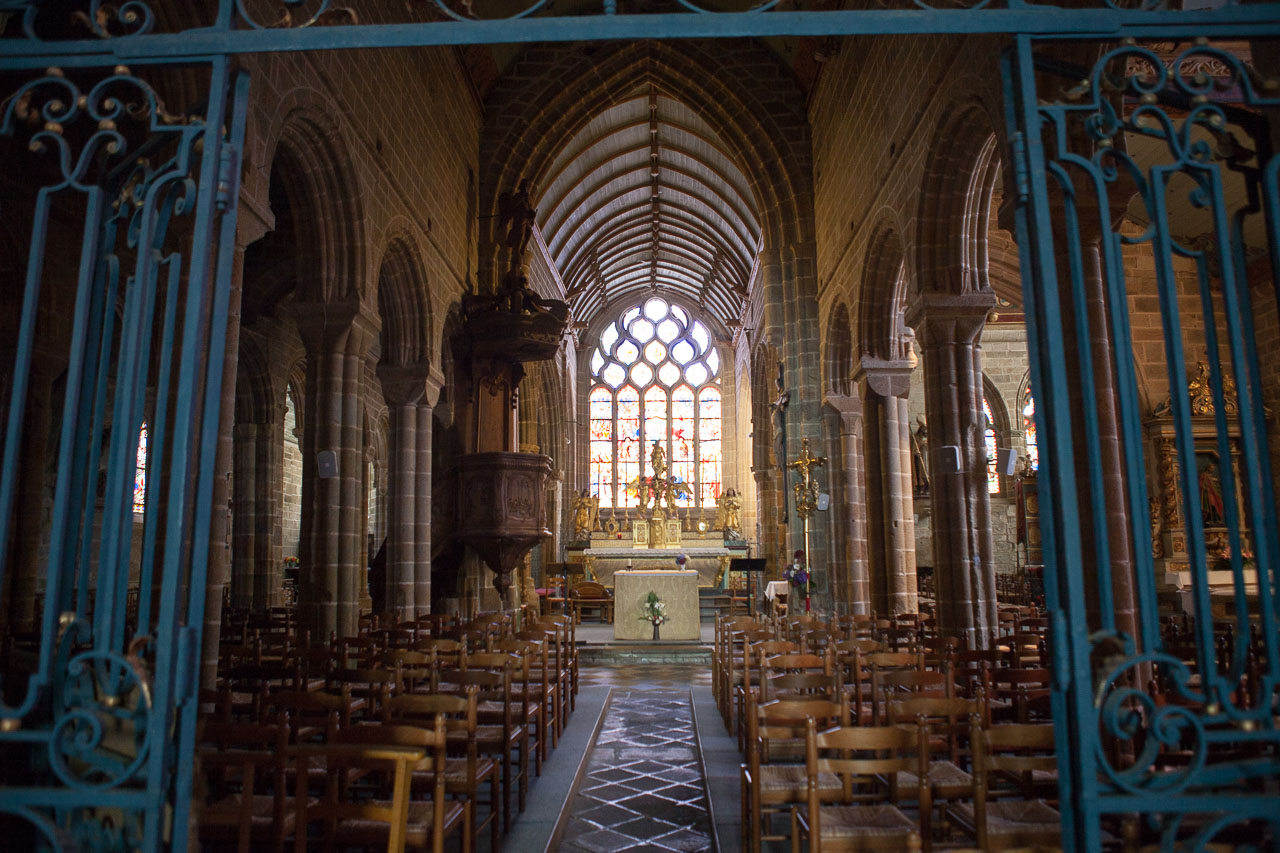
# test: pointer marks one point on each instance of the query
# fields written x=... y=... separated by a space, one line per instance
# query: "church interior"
x=633 y=445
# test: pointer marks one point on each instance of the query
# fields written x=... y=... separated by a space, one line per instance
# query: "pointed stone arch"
x=404 y=304
x=306 y=151
x=883 y=299
x=837 y=361
x=954 y=213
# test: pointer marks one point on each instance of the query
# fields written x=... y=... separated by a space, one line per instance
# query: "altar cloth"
x=677 y=589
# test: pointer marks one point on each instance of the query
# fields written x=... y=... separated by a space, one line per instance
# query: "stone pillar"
x=433 y=384
x=337 y=339
x=890 y=518
x=847 y=459
x=244 y=512
x=256 y=573
x=251 y=224
x=402 y=389
x=1112 y=488
x=948 y=327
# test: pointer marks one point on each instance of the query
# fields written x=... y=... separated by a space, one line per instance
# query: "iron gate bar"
x=1067 y=24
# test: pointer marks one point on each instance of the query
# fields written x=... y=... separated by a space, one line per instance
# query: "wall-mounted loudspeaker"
x=326 y=464
x=950 y=459
x=824 y=501
x=1006 y=461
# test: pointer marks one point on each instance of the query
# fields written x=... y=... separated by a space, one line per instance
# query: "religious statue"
x=779 y=408
x=658 y=458
x=586 y=509
x=920 y=458
x=780 y=431
x=729 y=506
x=516 y=215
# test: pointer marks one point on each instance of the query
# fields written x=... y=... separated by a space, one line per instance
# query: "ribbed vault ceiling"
x=644 y=199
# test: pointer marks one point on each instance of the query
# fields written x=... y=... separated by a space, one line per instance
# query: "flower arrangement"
x=796 y=573
x=654 y=610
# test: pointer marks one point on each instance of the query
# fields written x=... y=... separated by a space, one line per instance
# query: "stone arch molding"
x=314 y=160
x=404 y=301
x=954 y=212
x=883 y=297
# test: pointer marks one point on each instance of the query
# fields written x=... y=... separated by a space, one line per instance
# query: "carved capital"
x=885 y=378
x=941 y=319
x=329 y=327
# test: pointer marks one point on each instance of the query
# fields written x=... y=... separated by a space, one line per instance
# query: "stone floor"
x=643 y=788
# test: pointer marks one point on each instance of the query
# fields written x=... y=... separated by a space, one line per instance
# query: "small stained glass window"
x=989 y=438
x=140 y=473
x=1029 y=429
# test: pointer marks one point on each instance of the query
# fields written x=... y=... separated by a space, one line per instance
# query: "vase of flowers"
x=797 y=574
x=654 y=611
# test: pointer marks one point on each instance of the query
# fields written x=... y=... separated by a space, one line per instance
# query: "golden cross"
x=807 y=460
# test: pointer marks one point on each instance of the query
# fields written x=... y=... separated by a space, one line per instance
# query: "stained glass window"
x=1029 y=429
x=601 y=426
x=989 y=437
x=655 y=377
x=140 y=473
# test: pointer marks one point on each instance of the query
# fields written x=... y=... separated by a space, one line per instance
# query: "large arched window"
x=655 y=377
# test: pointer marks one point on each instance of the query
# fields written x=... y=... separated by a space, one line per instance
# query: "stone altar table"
x=677 y=589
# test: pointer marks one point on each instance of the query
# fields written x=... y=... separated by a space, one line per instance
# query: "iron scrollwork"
x=1170 y=727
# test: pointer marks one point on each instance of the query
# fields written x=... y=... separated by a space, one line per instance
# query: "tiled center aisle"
x=643 y=787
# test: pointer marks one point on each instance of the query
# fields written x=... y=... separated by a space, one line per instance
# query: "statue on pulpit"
x=586 y=509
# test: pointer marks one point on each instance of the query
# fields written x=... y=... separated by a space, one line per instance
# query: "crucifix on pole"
x=806 y=494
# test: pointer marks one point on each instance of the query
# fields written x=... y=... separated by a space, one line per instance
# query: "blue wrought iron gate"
x=1176 y=721
x=98 y=734
x=97 y=742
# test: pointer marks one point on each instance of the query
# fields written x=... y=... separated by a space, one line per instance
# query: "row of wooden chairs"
x=772 y=678
x=524 y=685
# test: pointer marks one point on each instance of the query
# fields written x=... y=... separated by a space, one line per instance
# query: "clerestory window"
x=655 y=376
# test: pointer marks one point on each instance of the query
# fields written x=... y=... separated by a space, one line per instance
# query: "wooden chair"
x=863 y=758
x=1016 y=751
x=501 y=738
x=772 y=776
x=237 y=760
x=589 y=595
x=948 y=724
x=465 y=771
x=392 y=822
x=879 y=664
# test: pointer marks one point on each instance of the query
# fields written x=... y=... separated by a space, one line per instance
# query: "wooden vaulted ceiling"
x=643 y=200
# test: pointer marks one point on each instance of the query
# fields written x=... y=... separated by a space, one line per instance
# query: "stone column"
x=890 y=507
x=251 y=224
x=1102 y=382
x=948 y=327
x=256 y=573
x=847 y=459
x=337 y=339
x=402 y=388
x=433 y=385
